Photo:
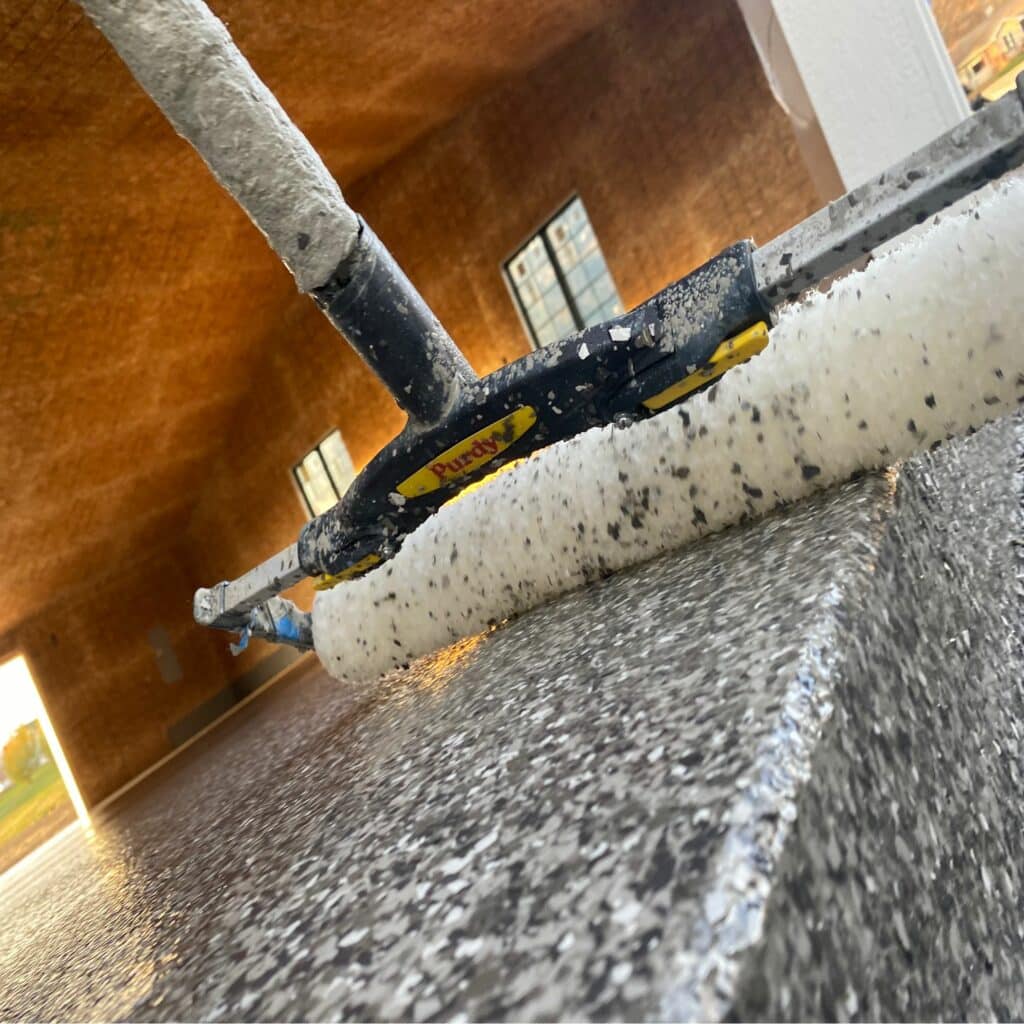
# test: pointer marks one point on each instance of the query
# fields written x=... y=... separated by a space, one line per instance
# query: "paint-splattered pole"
x=183 y=56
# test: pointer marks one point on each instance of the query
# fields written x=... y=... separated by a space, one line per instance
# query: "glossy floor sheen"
x=778 y=774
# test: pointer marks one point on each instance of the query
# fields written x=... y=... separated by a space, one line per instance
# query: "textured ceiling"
x=134 y=296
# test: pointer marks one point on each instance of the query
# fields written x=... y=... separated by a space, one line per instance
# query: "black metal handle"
x=384 y=318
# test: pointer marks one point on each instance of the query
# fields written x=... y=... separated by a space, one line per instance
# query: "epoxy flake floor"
x=549 y=821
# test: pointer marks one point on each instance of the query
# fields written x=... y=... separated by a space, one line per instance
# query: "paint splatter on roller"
x=922 y=345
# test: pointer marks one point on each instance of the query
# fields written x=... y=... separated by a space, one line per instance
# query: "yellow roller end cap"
x=730 y=353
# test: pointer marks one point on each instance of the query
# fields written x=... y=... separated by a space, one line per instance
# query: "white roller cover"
x=923 y=344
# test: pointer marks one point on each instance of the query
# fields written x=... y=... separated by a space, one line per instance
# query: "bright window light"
x=324 y=474
x=20 y=704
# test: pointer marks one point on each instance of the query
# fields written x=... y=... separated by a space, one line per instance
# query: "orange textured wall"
x=661 y=122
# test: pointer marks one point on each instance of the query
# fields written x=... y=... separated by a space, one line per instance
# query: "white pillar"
x=867 y=81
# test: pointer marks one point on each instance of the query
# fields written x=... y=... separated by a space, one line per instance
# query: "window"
x=324 y=474
x=559 y=278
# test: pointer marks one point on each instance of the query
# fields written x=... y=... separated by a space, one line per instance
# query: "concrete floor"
x=765 y=775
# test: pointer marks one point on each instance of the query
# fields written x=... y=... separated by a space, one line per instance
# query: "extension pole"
x=183 y=56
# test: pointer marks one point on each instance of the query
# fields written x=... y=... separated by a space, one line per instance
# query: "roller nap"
x=923 y=345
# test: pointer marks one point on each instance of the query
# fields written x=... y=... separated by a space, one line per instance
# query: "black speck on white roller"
x=924 y=344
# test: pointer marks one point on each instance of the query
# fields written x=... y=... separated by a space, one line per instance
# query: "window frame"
x=541 y=232
x=327 y=471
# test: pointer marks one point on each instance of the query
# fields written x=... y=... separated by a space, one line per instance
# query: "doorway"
x=38 y=794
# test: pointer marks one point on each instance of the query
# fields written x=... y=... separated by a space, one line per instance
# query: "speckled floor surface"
x=775 y=775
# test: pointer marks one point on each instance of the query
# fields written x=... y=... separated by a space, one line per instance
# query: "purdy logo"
x=469 y=454
x=480 y=451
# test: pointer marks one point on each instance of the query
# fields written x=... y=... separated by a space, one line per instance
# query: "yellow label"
x=364 y=565
x=469 y=454
x=729 y=354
